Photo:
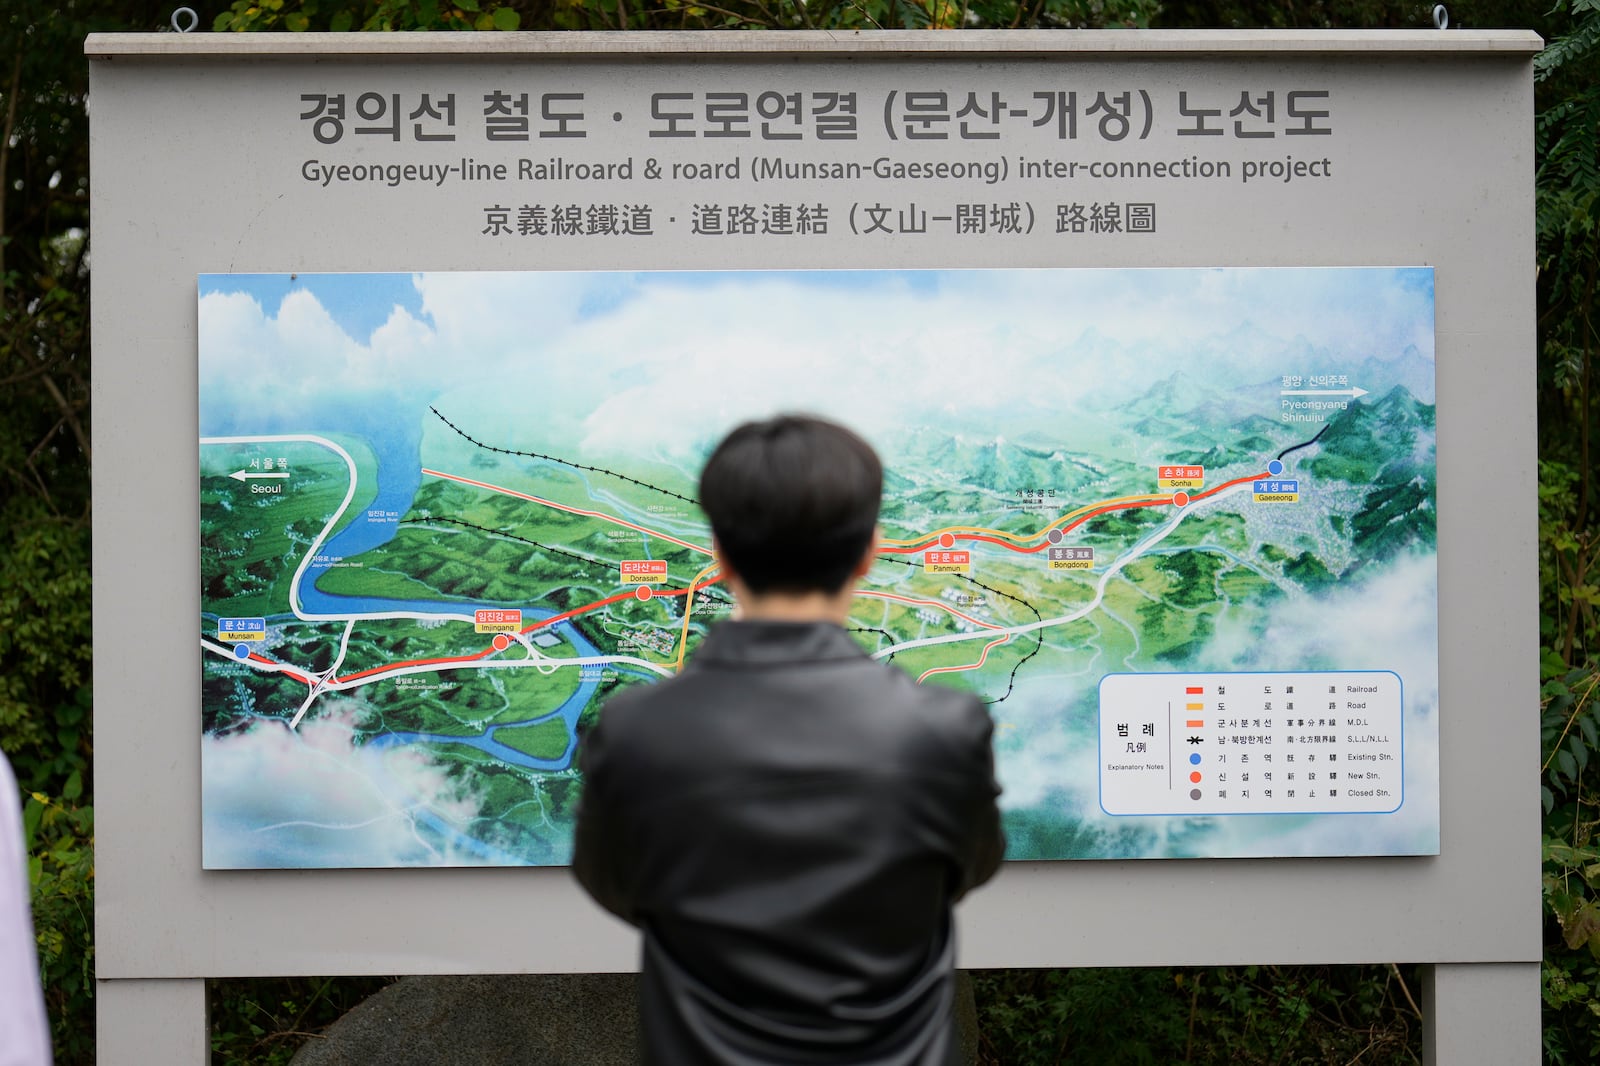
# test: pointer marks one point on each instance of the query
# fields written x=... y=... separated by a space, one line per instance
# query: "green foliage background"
x=1252 y=1014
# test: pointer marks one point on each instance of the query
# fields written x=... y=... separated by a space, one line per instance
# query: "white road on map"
x=1099 y=592
x=321 y=683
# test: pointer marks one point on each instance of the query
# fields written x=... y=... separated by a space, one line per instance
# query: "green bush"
x=60 y=840
x=1249 y=1015
x=263 y=1022
x=1571 y=877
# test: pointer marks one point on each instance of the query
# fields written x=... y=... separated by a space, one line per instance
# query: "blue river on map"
x=399 y=477
x=399 y=474
x=397 y=450
x=486 y=743
x=568 y=712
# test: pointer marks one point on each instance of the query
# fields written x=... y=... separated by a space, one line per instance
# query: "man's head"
x=793 y=502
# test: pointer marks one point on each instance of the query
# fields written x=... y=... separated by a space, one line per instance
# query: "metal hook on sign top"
x=1441 y=17
x=185 y=19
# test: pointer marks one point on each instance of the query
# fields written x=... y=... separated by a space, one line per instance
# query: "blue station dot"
x=1194 y=760
x=241 y=651
x=1275 y=467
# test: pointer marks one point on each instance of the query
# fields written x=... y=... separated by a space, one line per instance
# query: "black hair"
x=793 y=502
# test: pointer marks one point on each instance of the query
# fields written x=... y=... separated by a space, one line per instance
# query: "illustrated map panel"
x=1175 y=527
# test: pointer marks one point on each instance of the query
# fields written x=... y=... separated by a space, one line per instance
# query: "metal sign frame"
x=190 y=179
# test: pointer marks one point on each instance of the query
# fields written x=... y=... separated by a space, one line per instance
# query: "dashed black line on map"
x=464 y=435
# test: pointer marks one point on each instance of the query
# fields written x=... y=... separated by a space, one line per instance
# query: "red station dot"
x=1180 y=499
x=643 y=592
x=501 y=642
x=948 y=540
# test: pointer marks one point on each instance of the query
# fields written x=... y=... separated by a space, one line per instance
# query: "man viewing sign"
x=787 y=821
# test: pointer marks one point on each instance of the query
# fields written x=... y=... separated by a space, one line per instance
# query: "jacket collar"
x=758 y=643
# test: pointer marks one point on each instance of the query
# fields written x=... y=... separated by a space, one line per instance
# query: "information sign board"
x=1285 y=218
x=548 y=475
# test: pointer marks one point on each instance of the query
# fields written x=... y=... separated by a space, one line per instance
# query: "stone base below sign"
x=513 y=1020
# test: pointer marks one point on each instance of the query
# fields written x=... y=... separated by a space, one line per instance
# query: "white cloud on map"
x=300 y=360
x=1386 y=622
x=1003 y=347
x=492 y=318
x=312 y=799
x=1037 y=751
x=674 y=358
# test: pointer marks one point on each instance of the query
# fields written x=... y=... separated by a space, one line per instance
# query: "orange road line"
x=1067 y=522
x=564 y=615
x=975 y=530
x=1095 y=514
x=414 y=662
x=698 y=582
x=306 y=681
x=940 y=604
x=970 y=666
x=688 y=606
x=563 y=507
x=1229 y=484
x=485 y=653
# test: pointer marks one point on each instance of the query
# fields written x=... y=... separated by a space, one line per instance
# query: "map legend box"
x=1252 y=743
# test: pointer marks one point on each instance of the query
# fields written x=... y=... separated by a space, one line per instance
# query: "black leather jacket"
x=788 y=823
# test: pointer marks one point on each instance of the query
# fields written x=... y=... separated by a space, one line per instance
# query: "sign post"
x=1205 y=361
